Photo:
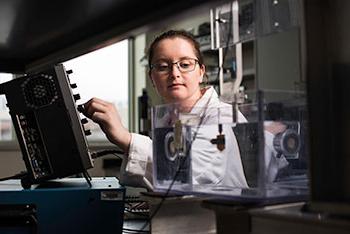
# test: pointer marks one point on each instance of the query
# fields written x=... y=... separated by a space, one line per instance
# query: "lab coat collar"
x=209 y=99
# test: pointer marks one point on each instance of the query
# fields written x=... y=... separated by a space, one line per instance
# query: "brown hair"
x=175 y=34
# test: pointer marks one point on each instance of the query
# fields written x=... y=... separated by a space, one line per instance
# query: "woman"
x=176 y=70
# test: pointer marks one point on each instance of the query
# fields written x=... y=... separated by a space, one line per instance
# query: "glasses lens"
x=187 y=65
x=161 y=67
x=184 y=65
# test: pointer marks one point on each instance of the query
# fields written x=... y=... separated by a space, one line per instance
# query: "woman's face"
x=172 y=84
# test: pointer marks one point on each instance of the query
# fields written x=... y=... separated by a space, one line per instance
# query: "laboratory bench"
x=296 y=218
x=192 y=214
x=69 y=205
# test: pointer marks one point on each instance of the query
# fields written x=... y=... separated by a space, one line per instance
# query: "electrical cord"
x=16 y=176
x=87 y=177
x=99 y=154
x=102 y=153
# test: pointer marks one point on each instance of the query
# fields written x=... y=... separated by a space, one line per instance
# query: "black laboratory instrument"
x=47 y=124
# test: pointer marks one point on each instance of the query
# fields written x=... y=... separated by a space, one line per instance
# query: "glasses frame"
x=171 y=65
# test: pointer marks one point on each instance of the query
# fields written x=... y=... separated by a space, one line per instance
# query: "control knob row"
x=84 y=120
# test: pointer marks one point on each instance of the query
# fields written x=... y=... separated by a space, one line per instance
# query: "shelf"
x=249 y=72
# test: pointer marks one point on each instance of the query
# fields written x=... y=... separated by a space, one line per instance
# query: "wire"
x=87 y=178
x=118 y=156
x=99 y=154
x=16 y=176
x=102 y=153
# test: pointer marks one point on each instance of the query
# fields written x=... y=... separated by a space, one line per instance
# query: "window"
x=5 y=118
x=102 y=74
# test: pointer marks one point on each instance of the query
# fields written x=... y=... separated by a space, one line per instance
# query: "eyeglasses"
x=184 y=65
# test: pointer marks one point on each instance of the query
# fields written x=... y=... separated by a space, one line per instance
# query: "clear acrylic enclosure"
x=255 y=150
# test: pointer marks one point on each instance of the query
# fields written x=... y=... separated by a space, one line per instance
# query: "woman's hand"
x=275 y=127
x=106 y=115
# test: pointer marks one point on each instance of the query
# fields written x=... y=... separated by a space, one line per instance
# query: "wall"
x=10 y=163
x=278 y=61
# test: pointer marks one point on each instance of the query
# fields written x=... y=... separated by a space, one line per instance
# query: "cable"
x=98 y=154
x=87 y=178
x=102 y=153
x=16 y=176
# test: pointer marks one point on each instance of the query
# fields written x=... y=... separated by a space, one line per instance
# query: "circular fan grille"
x=39 y=91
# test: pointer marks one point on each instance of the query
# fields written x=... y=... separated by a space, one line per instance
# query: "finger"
x=99 y=118
x=95 y=100
x=100 y=101
x=95 y=107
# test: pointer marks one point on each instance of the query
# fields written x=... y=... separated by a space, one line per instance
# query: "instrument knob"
x=76 y=97
x=73 y=86
x=80 y=108
x=87 y=132
x=84 y=121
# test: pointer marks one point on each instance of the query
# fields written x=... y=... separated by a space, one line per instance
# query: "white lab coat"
x=209 y=165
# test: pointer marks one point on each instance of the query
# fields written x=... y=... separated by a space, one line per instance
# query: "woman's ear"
x=150 y=77
x=202 y=73
x=154 y=86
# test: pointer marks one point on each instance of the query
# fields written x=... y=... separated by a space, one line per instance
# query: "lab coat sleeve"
x=136 y=169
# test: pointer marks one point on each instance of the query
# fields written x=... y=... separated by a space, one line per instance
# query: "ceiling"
x=40 y=32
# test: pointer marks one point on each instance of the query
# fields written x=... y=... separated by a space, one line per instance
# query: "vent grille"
x=39 y=91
